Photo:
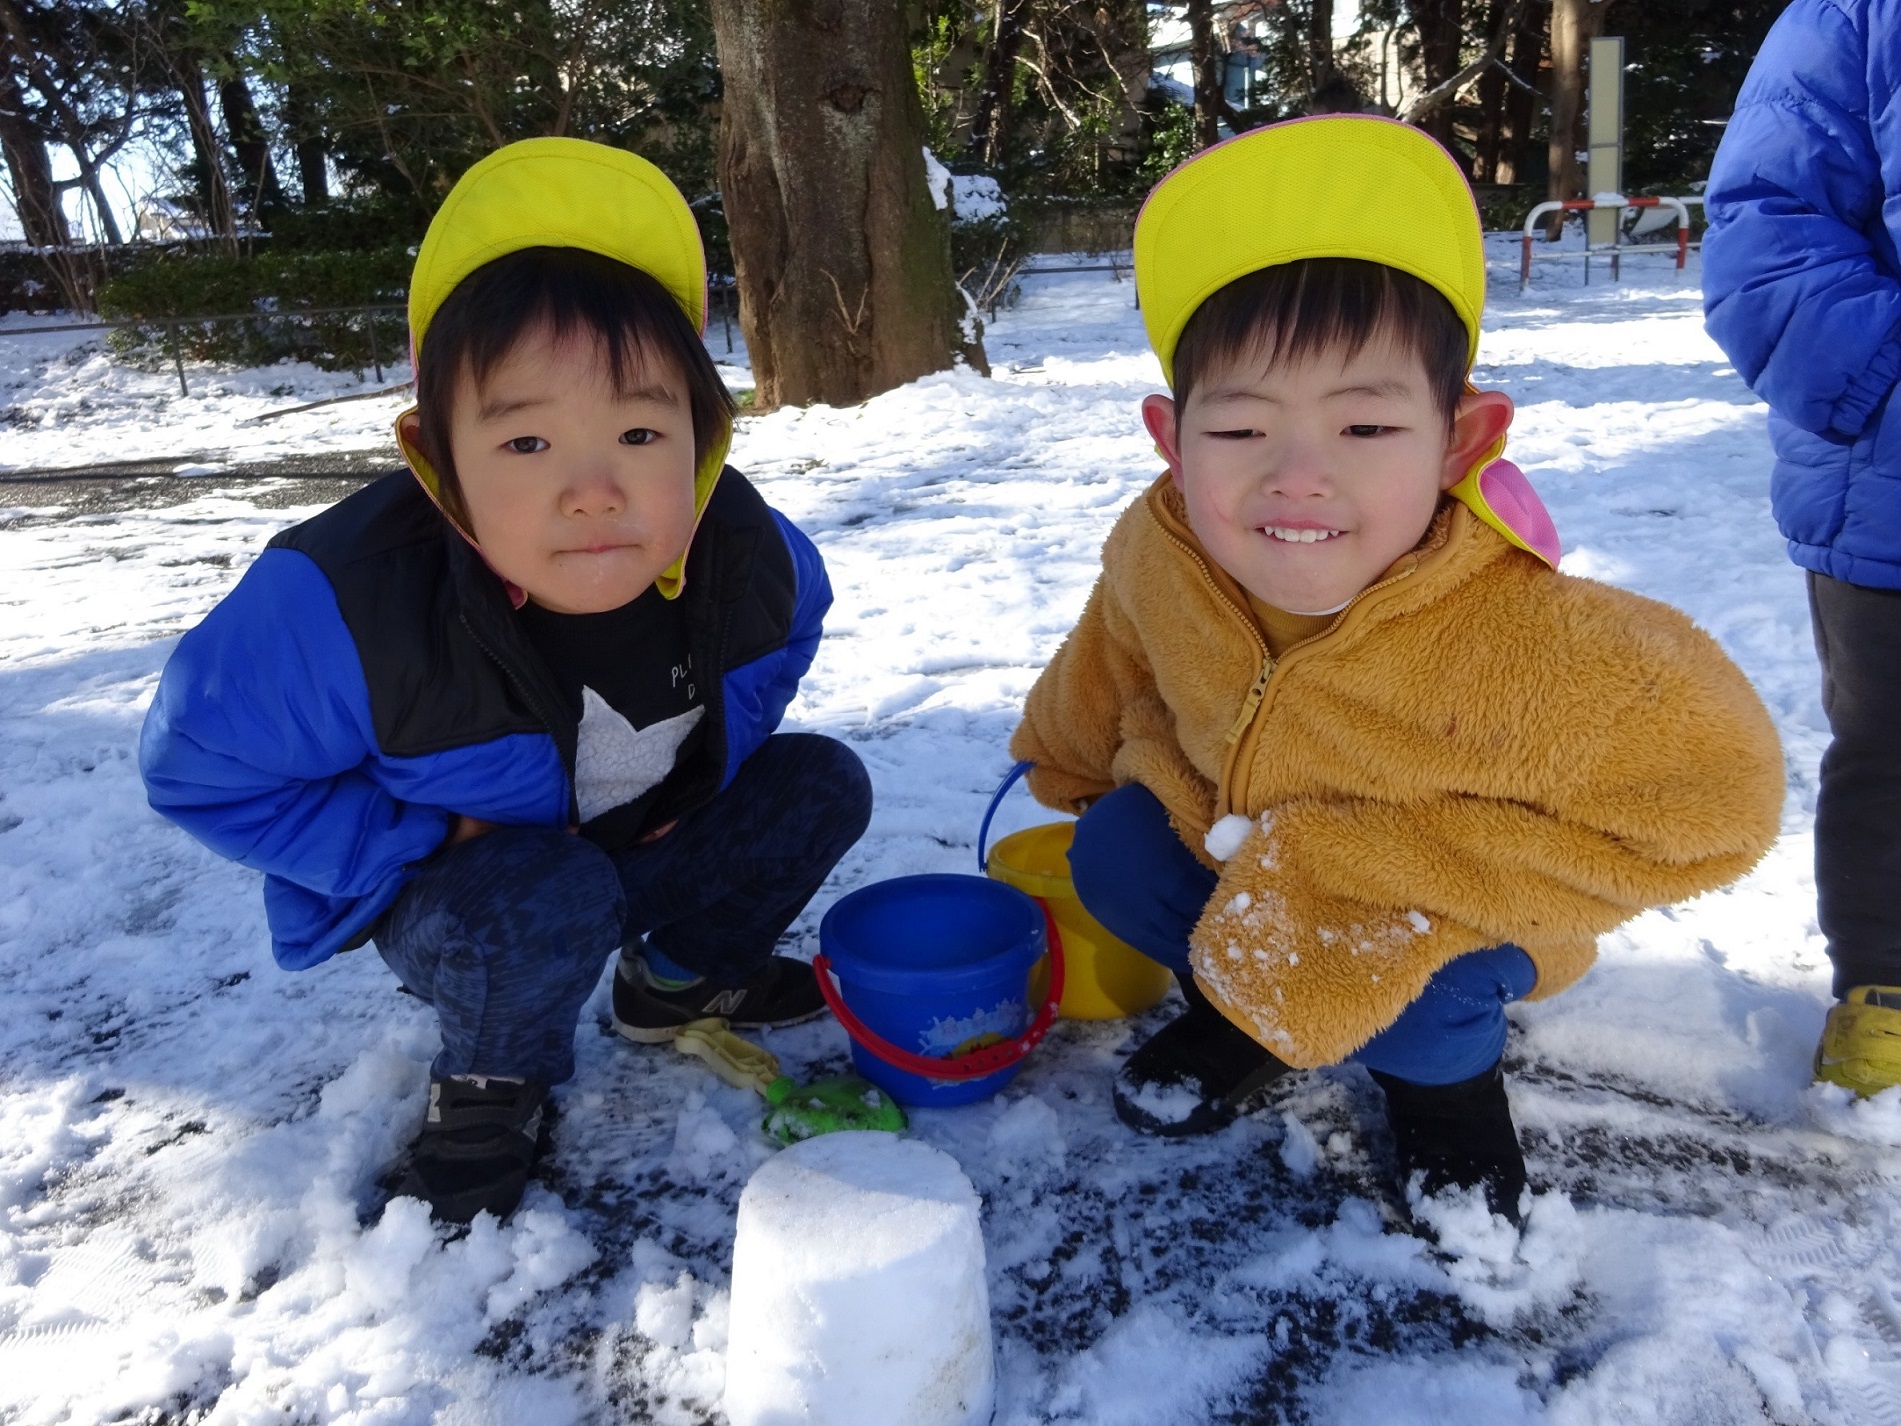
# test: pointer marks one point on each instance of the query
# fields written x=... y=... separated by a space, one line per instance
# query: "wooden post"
x=178 y=360
x=376 y=356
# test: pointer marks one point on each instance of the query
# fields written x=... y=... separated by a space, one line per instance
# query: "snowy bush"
x=988 y=241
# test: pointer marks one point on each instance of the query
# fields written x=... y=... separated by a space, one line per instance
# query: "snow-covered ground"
x=189 y=1139
x=66 y=403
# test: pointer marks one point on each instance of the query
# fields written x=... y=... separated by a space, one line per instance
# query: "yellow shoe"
x=1861 y=1041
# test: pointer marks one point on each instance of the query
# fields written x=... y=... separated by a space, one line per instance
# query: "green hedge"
x=368 y=223
x=1502 y=207
x=201 y=285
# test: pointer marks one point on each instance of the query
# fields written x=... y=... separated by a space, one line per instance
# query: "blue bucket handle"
x=983 y=832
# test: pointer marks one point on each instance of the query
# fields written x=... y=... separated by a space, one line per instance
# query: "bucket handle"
x=978 y=1063
x=983 y=832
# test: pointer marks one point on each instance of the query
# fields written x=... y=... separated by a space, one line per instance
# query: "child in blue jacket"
x=512 y=710
x=1802 y=289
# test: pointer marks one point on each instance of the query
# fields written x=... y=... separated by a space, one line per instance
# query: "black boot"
x=478 y=1144
x=1194 y=1074
x=1458 y=1136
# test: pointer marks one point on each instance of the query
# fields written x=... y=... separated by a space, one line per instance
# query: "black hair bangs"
x=1299 y=309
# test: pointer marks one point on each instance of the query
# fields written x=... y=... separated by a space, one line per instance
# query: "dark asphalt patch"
x=110 y=487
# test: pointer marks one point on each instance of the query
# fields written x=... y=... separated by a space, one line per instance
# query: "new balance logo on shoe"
x=780 y=992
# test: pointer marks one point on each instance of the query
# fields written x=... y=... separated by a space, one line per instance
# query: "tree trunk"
x=213 y=191
x=843 y=262
x=1441 y=28
x=313 y=171
x=71 y=127
x=95 y=190
x=258 y=188
x=37 y=201
x=1521 y=104
x=313 y=150
x=42 y=220
x=1491 y=129
x=1122 y=27
x=990 y=130
x=1320 y=66
x=1574 y=24
x=1205 y=54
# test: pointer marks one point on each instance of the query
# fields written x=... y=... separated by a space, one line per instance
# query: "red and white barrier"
x=1585 y=205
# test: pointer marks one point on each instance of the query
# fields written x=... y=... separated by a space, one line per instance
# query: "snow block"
x=858 y=1293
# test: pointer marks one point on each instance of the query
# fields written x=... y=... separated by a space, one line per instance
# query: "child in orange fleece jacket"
x=1350 y=755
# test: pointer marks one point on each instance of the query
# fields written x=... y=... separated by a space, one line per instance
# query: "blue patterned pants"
x=505 y=934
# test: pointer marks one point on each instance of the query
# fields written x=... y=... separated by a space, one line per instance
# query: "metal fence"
x=173 y=324
x=1617 y=248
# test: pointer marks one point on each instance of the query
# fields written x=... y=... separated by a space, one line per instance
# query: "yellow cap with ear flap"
x=1344 y=186
x=564 y=193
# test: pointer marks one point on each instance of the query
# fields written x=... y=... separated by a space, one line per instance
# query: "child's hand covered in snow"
x=1311 y=973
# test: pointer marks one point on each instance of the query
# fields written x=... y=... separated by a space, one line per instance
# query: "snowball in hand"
x=1225 y=837
x=858 y=1292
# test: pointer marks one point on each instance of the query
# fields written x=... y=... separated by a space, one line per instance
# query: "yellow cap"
x=1340 y=186
x=560 y=193
x=564 y=193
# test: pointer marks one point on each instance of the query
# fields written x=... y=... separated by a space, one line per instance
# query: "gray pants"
x=1858 y=810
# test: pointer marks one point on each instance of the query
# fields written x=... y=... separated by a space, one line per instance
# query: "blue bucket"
x=934 y=966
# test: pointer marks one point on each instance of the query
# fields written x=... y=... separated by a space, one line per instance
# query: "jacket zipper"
x=1238 y=743
x=1258 y=691
x=1235 y=782
x=1253 y=701
x=712 y=651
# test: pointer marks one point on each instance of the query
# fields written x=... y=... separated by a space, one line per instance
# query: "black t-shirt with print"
x=628 y=673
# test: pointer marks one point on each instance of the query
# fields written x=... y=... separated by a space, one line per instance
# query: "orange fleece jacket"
x=1478 y=750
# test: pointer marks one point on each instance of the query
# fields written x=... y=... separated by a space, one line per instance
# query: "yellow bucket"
x=1104 y=979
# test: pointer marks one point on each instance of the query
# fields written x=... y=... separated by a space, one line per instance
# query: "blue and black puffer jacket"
x=1801 y=280
x=367 y=679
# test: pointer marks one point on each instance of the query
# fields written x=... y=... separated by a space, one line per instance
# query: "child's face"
x=1306 y=480
x=576 y=492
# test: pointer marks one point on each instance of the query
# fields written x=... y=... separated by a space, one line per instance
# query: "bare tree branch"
x=1512 y=74
x=1447 y=90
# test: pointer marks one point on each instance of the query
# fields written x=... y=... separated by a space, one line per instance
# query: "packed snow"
x=971 y=197
x=1224 y=839
x=191 y=1227
x=858 y=1294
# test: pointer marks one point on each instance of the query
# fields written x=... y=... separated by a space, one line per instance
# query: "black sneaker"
x=477 y=1147
x=782 y=992
x=1193 y=1075
x=1458 y=1136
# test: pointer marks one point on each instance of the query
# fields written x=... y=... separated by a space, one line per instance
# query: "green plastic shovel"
x=798 y=1111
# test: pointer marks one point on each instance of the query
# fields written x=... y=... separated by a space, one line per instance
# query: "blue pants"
x=505 y=934
x=1134 y=875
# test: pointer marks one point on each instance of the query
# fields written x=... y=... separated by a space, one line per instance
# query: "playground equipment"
x=934 y=983
x=797 y=1111
x=1615 y=249
x=936 y=974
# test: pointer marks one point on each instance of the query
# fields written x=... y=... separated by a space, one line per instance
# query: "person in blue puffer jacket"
x=513 y=710
x=1802 y=289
